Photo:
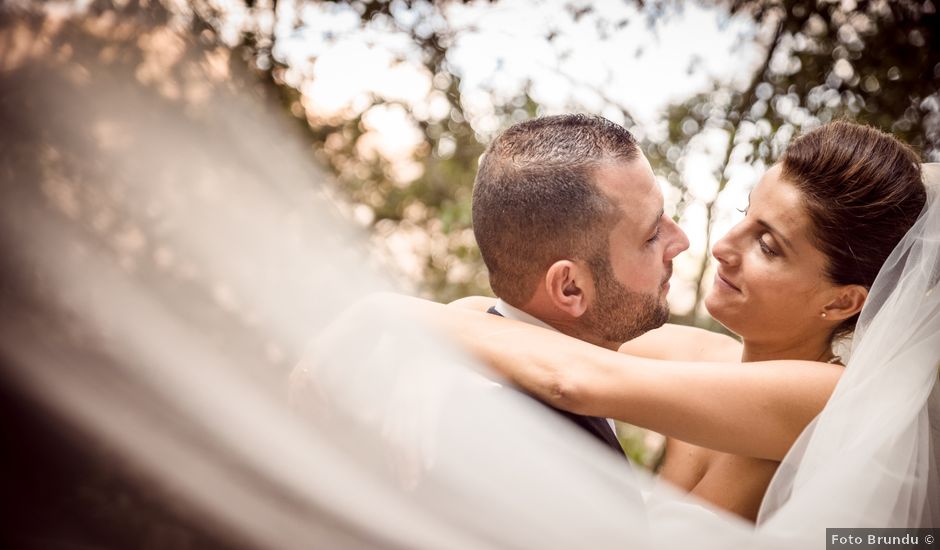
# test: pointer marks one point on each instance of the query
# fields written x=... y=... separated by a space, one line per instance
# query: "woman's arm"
x=668 y=342
x=752 y=409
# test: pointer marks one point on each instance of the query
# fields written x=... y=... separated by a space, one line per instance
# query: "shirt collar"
x=516 y=314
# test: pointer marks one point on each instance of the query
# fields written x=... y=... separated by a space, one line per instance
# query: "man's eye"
x=654 y=238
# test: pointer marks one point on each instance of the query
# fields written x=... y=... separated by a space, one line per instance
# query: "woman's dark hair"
x=863 y=189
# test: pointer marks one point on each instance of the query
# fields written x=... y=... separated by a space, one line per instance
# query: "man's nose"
x=680 y=242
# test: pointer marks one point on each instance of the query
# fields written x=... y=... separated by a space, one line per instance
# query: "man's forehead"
x=631 y=187
x=616 y=176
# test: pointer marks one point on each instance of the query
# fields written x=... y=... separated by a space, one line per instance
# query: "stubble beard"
x=618 y=313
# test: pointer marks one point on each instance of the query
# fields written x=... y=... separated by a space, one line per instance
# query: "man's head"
x=569 y=220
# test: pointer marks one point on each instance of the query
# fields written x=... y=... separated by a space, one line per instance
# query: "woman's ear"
x=848 y=301
x=570 y=287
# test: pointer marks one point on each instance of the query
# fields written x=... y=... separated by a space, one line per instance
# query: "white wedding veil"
x=169 y=253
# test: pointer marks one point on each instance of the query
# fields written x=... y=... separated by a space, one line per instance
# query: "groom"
x=569 y=220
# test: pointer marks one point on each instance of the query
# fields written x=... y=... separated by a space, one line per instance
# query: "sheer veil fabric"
x=169 y=340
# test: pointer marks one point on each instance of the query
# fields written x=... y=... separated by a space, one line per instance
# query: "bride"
x=792 y=279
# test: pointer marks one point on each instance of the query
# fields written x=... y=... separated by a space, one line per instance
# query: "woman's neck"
x=802 y=348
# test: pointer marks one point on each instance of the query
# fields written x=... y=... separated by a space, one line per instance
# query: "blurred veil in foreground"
x=170 y=250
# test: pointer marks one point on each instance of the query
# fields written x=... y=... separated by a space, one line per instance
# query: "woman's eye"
x=765 y=248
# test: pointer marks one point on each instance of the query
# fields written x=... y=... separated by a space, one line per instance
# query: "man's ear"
x=847 y=302
x=570 y=287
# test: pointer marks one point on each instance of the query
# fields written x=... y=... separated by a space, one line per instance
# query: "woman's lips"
x=721 y=281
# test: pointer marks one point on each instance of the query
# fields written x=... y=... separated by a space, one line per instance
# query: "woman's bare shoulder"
x=672 y=342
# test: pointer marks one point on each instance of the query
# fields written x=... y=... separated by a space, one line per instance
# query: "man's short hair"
x=535 y=200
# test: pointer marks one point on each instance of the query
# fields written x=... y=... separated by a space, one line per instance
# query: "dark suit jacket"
x=597 y=427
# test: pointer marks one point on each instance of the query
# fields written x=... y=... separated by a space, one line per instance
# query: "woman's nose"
x=723 y=250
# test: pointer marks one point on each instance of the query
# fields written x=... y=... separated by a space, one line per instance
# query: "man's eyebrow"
x=659 y=217
x=778 y=234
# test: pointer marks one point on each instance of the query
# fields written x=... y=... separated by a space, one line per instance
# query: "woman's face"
x=771 y=283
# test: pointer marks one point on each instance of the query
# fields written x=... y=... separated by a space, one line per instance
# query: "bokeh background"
x=398 y=99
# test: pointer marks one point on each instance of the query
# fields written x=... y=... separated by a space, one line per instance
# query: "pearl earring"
x=823 y=315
